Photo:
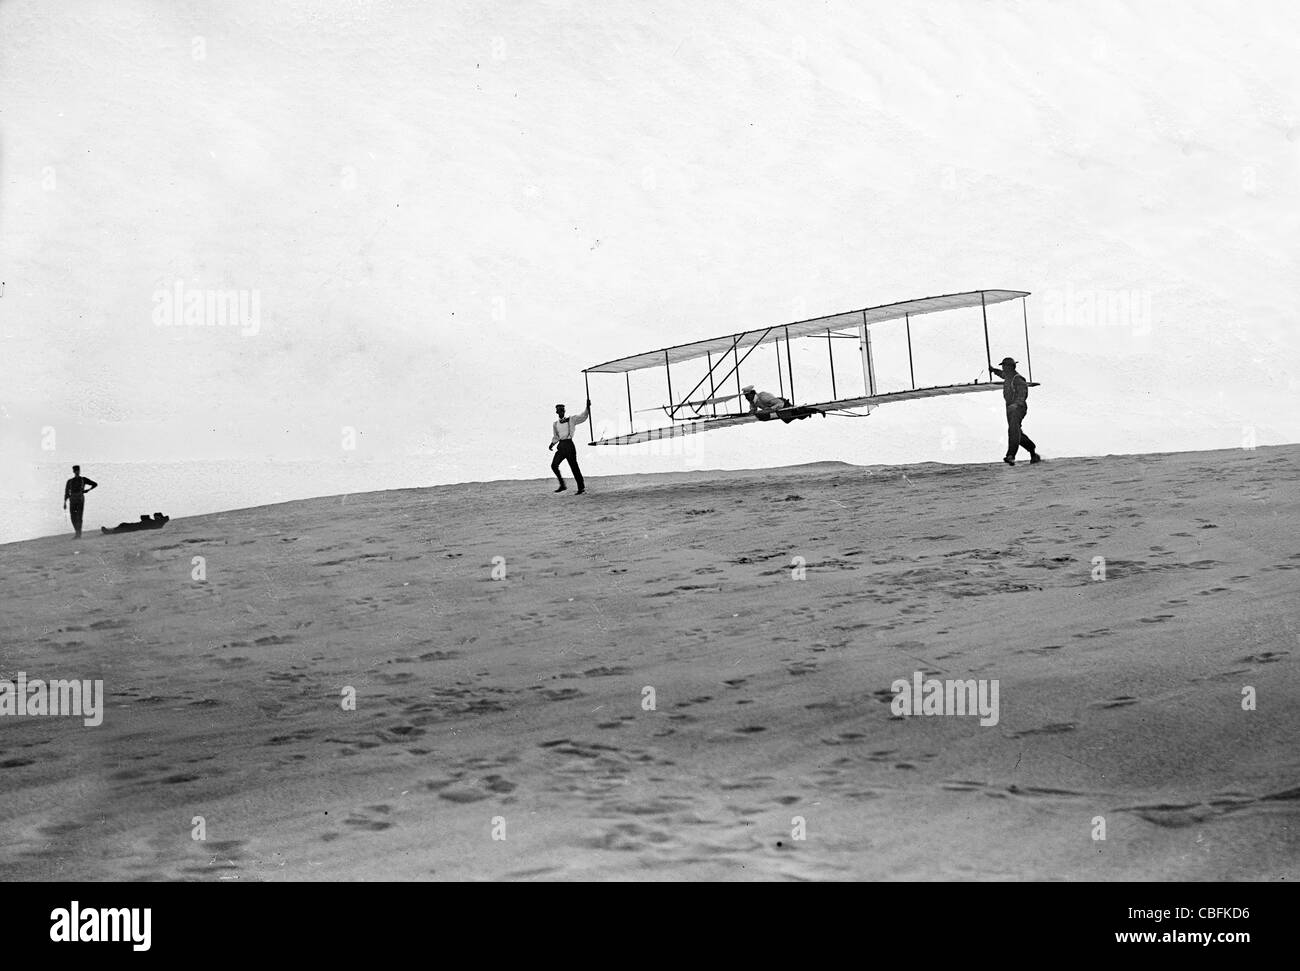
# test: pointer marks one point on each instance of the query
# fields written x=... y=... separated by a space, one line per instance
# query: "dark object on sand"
x=157 y=522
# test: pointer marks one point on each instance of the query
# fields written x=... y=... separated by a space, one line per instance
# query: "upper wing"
x=749 y=339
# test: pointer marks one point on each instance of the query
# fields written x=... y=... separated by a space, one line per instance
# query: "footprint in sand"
x=274 y=639
x=1121 y=701
x=1043 y=651
x=626 y=836
x=963 y=785
x=837 y=705
x=561 y=694
x=1055 y=728
x=605 y=672
x=223 y=859
x=1264 y=657
x=1173 y=816
x=477 y=791
x=368 y=819
x=619 y=723
x=1039 y=791
x=702 y=699
x=844 y=738
x=180 y=778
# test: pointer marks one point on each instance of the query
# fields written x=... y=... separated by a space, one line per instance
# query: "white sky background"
x=448 y=210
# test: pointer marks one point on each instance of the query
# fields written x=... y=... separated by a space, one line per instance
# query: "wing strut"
x=780 y=375
x=591 y=426
x=788 y=366
x=740 y=359
x=830 y=350
x=672 y=408
x=713 y=392
x=907 y=319
x=1029 y=363
x=868 y=364
x=669 y=371
x=987 y=353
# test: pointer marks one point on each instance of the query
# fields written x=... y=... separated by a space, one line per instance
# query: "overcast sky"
x=442 y=212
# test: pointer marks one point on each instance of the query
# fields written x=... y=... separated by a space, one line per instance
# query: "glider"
x=687 y=415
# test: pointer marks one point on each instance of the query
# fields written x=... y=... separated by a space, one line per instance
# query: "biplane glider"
x=725 y=355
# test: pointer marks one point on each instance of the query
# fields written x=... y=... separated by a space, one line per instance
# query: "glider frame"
x=730 y=346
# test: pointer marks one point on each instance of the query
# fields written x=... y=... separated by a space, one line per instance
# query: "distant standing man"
x=562 y=435
x=1015 y=392
x=75 y=493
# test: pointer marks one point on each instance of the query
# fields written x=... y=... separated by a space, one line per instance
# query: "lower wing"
x=709 y=424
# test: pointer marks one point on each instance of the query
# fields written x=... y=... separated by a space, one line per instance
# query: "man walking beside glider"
x=74 y=492
x=1015 y=392
x=562 y=435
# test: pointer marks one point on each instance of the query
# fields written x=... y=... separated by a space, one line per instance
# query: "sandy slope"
x=521 y=698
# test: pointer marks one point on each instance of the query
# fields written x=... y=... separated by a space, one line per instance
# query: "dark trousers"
x=772 y=413
x=565 y=451
x=1017 y=439
x=75 y=510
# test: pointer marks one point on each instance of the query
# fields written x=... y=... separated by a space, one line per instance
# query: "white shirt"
x=765 y=401
x=562 y=430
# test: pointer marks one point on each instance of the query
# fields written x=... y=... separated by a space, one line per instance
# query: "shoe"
x=562 y=488
x=1035 y=458
x=580 y=492
x=1009 y=461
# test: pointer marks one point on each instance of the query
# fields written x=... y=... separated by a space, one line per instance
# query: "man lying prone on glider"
x=767 y=406
x=763 y=402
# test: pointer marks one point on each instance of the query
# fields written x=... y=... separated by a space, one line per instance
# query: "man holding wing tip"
x=1015 y=392
x=562 y=435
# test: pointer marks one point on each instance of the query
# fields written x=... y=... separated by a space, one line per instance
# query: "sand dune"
x=519 y=701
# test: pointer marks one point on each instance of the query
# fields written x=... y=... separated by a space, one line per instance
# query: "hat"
x=747 y=388
x=1008 y=360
